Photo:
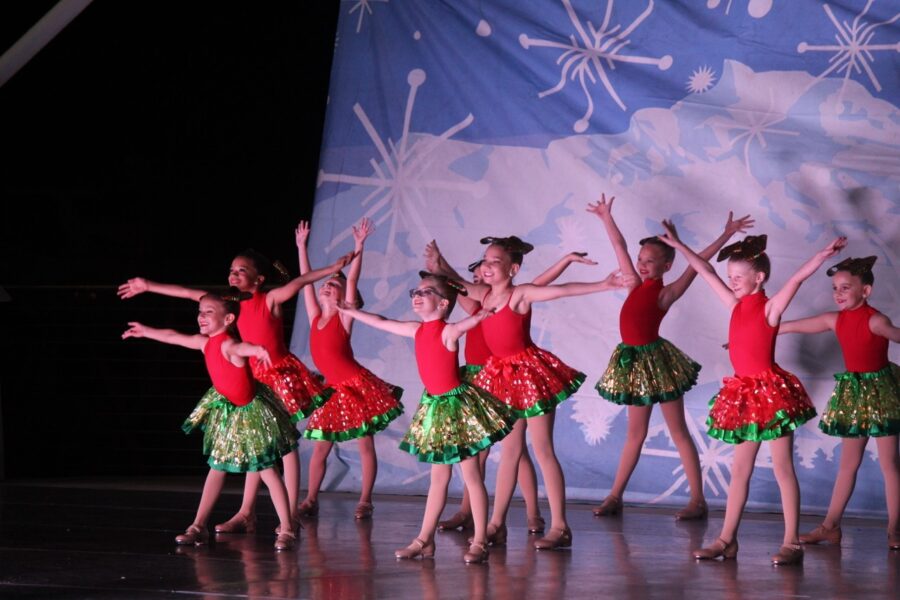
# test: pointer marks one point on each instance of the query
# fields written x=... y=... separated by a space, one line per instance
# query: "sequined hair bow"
x=747 y=249
x=855 y=266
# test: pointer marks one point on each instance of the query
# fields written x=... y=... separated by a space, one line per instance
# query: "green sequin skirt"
x=650 y=374
x=864 y=404
x=456 y=425
x=467 y=373
x=239 y=439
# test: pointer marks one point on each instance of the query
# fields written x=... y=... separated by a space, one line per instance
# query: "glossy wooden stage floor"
x=115 y=540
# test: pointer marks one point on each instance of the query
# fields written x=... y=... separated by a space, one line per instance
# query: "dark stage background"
x=154 y=139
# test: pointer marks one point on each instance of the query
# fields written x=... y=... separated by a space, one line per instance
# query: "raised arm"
x=284 y=293
x=677 y=288
x=404 y=328
x=816 y=324
x=603 y=209
x=702 y=267
x=881 y=325
x=360 y=233
x=435 y=263
x=166 y=336
x=301 y=234
x=778 y=303
x=551 y=274
x=139 y=285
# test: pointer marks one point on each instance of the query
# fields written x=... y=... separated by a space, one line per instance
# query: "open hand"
x=133 y=287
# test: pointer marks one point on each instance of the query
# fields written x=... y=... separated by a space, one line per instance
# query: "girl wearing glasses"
x=455 y=420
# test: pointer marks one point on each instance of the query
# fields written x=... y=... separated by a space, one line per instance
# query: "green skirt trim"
x=376 y=424
x=779 y=426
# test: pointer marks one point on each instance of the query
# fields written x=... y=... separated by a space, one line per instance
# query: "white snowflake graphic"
x=363 y=6
x=755 y=8
x=588 y=56
x=747 y=125
x=399 y=182
x=595 y=417
x=853 y=52
x=701 y=80
x=715 y=459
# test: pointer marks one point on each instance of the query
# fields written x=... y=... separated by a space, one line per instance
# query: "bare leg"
x=434 y=504
x=890 y=467
x=211 y=490
x=673 y=412
x=248 y=502
x=317 y=469
x=783 y=465
x=511 y=450
x=369 y=461
x=291 y=462
x=528 y=485
x=741 y=471
x=852 y=450
x=477 y=497
x=638 y=421
x=465 y=506
x=279 y=496
x=542 y=441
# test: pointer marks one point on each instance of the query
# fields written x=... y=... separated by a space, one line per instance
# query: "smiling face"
x=497 y=266
x=212 y=316
x=428 y=301
x=651 y=262
x=849 y=290
x=743 y=279
x=243 y=275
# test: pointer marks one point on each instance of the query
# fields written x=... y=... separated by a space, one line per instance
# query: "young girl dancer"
x=455 y=421
x=646 y=369
x=866 y=399
x=529 y=379
x=245 y=429
x=260 y=322
x=362 y=404
x=476 y=354
x=762 y=402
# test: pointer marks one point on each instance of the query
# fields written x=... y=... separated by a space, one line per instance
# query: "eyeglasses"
x=424 y=293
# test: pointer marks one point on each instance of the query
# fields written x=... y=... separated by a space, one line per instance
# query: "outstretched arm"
x=453 y=331
x=166 y=336
x=284 y=293
x=313 y=309
x=816 y=324
x=551 y=274
x=247 y=350
x=603 y=209
x=778 y=303
x=881 y=325
x=404 y=328
x=139 y=285
x=531 y=293
x=677 y=288
x=702 y=267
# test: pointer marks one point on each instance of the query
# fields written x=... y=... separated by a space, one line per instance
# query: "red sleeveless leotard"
x=438 y=367
x=259 y=326
x=331 y=351
x=751 y=340
x=235 y=383
x=507 y=332
x=476 y=350
x=864 y=351
x=640 y=316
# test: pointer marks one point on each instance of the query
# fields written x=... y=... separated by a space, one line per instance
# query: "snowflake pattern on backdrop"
x=585 y=56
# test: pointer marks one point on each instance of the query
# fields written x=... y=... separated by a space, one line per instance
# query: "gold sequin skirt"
x=649 y=374
x=456 y=425
x=864 y=404
x=531 y=382
x=299 y=390
x=763 y=407
x=360 y=406
x=245 y=438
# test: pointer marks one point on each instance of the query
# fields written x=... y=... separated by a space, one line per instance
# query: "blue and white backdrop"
x=456 y=119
